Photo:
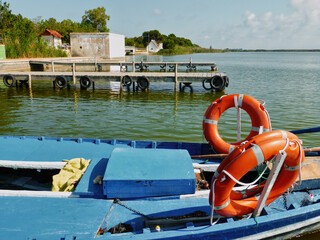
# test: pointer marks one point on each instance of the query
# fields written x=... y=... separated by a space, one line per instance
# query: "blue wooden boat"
x=133 y=190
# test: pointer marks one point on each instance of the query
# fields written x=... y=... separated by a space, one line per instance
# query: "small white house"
x=153 y=46
x=52 y=37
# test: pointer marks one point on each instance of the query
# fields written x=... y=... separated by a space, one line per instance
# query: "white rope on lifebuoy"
x=212 y=206
x=260 y=176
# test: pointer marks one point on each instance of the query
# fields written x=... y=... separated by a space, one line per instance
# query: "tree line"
x=169 y=42
x=21 y=35
x=172 y=45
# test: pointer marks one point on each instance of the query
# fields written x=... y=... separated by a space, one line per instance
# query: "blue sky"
x=248 y=24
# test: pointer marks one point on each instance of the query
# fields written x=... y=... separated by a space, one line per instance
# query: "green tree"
x=151 y=35
x=129 y=42
x=97 y=18
x=7 y=19
x=22 y=36
x=168 y=44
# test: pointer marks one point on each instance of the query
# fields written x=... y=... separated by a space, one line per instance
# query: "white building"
x=153 y=46
x=52 y=37
x=104 y=45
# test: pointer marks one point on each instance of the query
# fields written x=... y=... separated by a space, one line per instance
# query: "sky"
x=247 y=24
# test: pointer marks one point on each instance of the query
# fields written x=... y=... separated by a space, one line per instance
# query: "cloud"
x=297 y=29
x=157 y=11
x=309 y=9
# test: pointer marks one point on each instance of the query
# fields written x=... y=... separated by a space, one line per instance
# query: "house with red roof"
x=52 y=37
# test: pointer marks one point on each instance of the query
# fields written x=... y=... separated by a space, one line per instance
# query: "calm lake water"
x=287 y=82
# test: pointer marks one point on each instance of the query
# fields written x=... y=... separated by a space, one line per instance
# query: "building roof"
x=52 y=33
x=154 y=42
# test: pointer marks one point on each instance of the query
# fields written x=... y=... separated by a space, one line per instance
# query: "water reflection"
x=287 y=82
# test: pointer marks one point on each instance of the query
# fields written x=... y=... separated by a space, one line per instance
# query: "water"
x=287 y=82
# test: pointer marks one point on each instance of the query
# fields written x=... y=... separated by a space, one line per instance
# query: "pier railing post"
x=52 y=66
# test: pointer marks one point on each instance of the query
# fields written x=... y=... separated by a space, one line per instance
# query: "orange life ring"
x=240 y=149
x=258 y=115
x=252 y=155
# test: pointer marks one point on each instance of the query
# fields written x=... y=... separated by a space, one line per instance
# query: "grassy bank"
x=180 y=50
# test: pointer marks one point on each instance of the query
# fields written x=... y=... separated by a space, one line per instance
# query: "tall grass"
x=31 y=48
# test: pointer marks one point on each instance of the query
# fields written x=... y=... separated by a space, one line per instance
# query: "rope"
x=268 y=118
x=103 y=220
x=263 y=103
x=257 y=223
x=238 y=107
x=300 y=161
x=238 y=124
x=254 y=182
x=212 y=206
x=117 y=201
x=247 y=184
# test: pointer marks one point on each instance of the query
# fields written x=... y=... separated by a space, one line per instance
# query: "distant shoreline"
x=273 y=50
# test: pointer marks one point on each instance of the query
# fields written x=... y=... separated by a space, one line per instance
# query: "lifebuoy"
x=218 y=83
x=240 y=149
x=126 y=81
x=61 y=82
x=252 y=155
x=257 y=113
x=143 y=83
x=85 y=82
x=9 y=80
x=204 y=81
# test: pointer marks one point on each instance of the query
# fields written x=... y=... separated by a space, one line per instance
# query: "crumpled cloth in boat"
x=69 y=175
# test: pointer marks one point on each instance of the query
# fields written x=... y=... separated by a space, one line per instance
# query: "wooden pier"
x=139 y=75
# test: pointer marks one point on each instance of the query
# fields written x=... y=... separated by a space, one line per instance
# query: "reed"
x=31 y=48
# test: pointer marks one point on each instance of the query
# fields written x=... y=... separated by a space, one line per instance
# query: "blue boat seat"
x=136 y=173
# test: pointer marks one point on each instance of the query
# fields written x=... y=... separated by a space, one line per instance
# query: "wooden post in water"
x=133 y=68
x=176 y=78
x=74 y=73
x=121 y=87
x=29 y=80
